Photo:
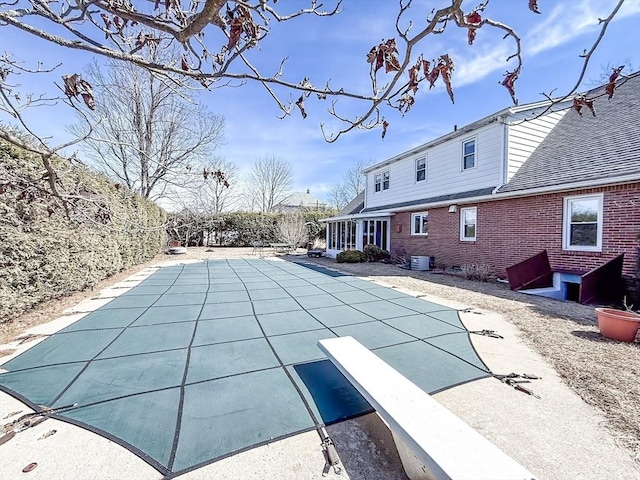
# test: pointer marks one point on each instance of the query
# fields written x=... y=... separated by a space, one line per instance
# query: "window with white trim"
x=582 y=224
x=468 y=223
x=385 y=180
x=421 y=169
x=469 y=154
x=377 y=182
x=420 y=223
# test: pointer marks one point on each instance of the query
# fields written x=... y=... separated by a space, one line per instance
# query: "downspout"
x=505 y=156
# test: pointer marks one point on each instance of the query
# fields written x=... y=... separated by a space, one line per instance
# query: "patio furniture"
x=431 y=440
x=315 y=252
x=176 y=248
x=258 y=248
x=280 y=247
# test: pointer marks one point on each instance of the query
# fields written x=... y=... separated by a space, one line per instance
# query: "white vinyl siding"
x=524 y=137
x=468 y=224
x=582 y=223
x=444 y=175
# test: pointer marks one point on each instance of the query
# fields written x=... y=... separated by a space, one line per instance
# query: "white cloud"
x=482 y=63
x=564 y=23
x=569 y=20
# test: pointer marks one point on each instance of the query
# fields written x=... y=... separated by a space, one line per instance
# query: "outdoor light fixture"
x=453 y=208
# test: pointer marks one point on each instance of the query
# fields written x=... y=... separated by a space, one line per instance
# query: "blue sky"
x=335 y=48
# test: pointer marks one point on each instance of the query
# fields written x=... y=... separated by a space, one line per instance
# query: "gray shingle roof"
x=354 y=206
x=300 y=199
x=440 y=198
x=584 y=148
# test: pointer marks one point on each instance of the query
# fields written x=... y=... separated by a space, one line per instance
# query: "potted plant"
x=622 y=325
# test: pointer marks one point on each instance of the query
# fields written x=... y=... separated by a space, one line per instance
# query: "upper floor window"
x=420 y=223
x=582 y=226
x=468 y=223
x=469 y=154
x=381 y=181
x=421 y=169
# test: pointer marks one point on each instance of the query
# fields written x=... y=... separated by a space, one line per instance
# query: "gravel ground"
x=605 y=373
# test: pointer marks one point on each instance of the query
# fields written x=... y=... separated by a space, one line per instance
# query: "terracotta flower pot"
x=618 y=324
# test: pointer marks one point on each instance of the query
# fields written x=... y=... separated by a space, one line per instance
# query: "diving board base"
x=433 y=443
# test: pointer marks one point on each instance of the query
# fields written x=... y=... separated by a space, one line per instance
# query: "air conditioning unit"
x=420 y=263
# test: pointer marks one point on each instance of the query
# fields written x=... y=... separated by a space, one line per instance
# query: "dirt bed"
x=605 y=373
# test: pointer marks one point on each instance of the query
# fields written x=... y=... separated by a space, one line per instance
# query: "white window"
x=468 y=221
x=377 y=180
x=421 y=169
x=420 y=223
x=582 y=226
x=385 y=180
x=469 y=154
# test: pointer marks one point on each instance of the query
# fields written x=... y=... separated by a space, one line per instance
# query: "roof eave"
x=514 y=194
x=622 y=179
x=505 y=112
x=357 y=216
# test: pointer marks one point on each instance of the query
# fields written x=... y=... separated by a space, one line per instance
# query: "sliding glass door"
x=375 y=232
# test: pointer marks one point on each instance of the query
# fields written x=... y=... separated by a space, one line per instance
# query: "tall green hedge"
x=45 y=252
x=239 y=229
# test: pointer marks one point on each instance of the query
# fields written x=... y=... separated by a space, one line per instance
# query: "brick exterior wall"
x=509 y=231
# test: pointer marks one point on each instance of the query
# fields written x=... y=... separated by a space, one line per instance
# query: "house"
x=298 y=200
x=525 y=179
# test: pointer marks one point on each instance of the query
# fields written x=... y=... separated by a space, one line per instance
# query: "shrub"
x=373 y=253
x=291 y=229
x=476 y=271
x=351 y=256
x=399 y=256
x=45 y=252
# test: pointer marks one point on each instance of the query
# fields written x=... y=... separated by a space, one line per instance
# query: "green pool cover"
x=201 y=361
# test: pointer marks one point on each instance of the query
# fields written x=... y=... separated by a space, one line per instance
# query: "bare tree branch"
x=152 y=133
x=269 y=181
x=217 y=41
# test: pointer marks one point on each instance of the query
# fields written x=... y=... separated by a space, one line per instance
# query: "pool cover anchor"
x=487 y=333
x=516 y=380
x=28 y=420
x=470 y=310
x=330 y=453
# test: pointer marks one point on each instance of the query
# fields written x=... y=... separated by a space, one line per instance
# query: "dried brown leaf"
x=582 y=101
x=473 y=20
x=611 y=86
x=385 y=125
x=509 y=83
x=446 y=67
x=234 y=33
x=75 y=86
x=300 y=105
x=533 y=6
